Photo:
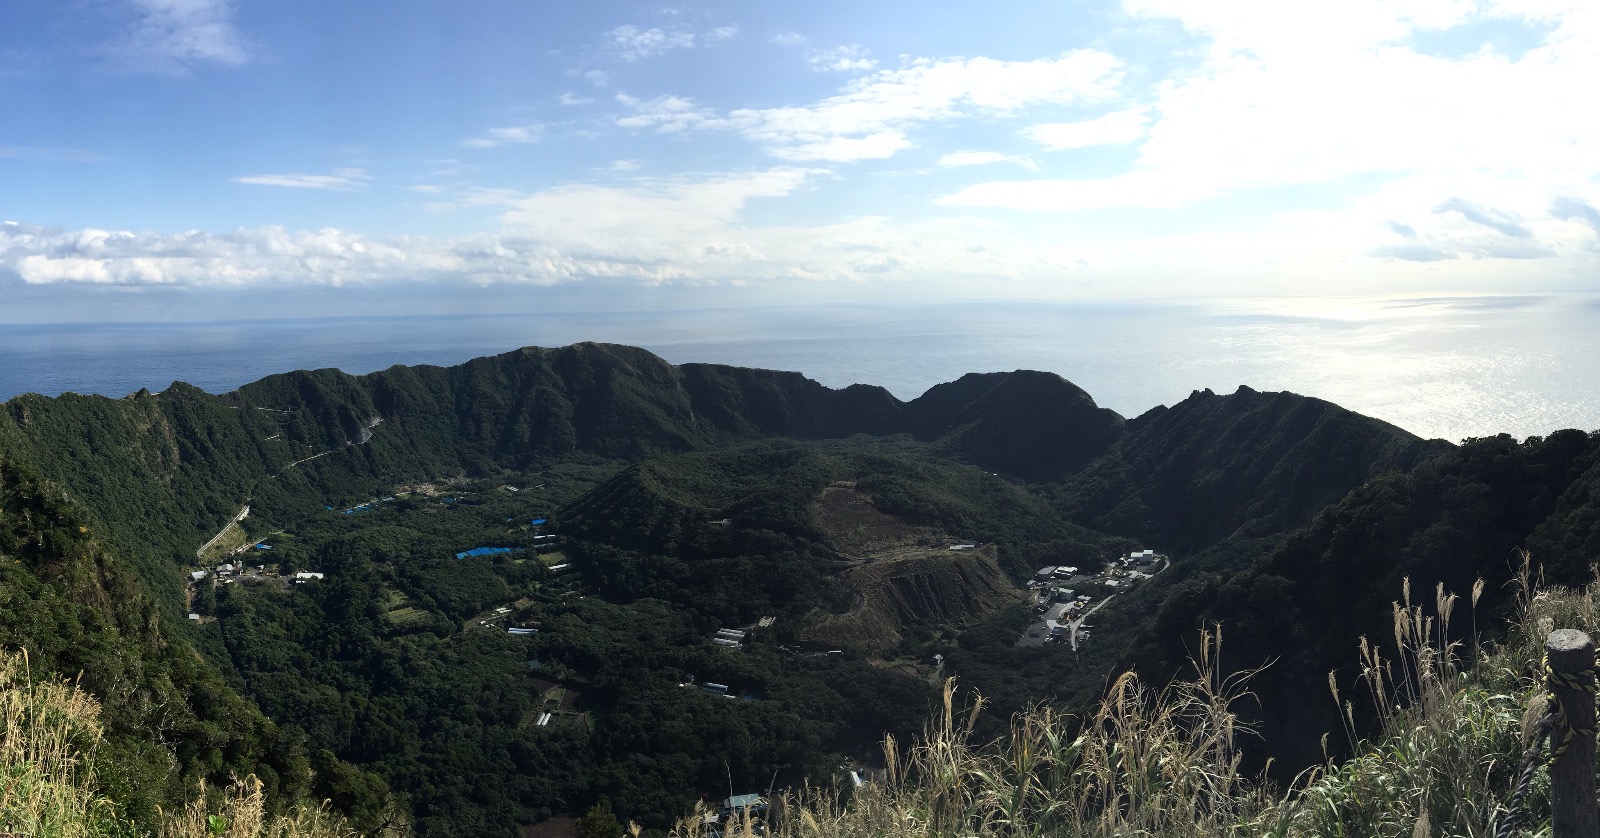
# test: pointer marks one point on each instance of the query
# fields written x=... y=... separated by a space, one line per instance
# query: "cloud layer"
x=1215 y=147
x=681 y=229
x=873 y=116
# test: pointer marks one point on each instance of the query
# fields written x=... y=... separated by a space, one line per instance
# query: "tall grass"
x=1166 y=762
x=1147 y=762
x=49 y=730
x=1451 y=739
x=45 y=778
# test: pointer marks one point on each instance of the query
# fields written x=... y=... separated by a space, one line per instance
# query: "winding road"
x=200 y=554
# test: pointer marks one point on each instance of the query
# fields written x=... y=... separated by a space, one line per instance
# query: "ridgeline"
x=862 y=547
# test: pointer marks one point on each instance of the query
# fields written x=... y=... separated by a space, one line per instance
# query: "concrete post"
x=1574 y=809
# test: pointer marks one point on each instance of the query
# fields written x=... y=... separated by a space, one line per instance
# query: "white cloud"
x=1112 y=129
x=694 y=229
x=983 y=158
x=509 y=135
x=1134 y=189
x=173 y=37
x=339 y=179
x=681 y=229
x=647 y=215
x=1573 y=209
x=653 y=230
x=1292 y=96
x=1470 y=163
x=569 y=99
x=446 y=167
x=788 y=39
x=878 y=146
x=1506 y=218
x=844 y=59
x=698 y=229
x=1504 y=223
x=265 y=255
x=872 y=117
x=634 y=43
x=665 y=114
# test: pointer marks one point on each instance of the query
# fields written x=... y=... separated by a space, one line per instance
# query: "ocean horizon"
x=1439 y=366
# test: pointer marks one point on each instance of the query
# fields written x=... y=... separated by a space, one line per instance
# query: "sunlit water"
x=1439 y=367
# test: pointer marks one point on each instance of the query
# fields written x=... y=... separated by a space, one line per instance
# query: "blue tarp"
x=487 y=551
x=537 y=521
x=263 y=546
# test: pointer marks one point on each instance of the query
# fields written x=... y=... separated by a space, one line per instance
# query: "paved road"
x=236 y=519
x=1078 y=622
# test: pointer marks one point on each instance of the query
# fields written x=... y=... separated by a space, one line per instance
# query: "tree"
x=205 y=597
x=599 y=822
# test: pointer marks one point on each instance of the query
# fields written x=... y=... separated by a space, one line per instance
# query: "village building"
x=741 y=803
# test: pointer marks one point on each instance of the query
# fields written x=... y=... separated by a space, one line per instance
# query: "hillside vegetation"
x=635 y=513
x=51 y=733
x=1247 y=464
x=1301 y=604
x=169 y=720
x=1165 y=761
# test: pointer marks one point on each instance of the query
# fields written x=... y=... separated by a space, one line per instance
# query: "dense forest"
x=862 y=548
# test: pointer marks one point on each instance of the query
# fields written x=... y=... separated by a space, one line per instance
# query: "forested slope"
x=1302 y=606
x=162 y=472
x=684 y=498
x=1247 y=464
x=170 y=720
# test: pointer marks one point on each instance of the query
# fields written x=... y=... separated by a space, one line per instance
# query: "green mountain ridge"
x=1246 y=464
x=685 y=498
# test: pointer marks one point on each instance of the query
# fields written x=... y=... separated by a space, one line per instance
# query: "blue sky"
x=202 y=158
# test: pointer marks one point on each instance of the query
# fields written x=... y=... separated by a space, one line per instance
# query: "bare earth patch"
x=857 y=528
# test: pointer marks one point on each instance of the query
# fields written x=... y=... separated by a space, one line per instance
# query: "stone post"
x=1574 y=809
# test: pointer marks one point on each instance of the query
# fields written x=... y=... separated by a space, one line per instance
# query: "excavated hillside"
x=902 y=574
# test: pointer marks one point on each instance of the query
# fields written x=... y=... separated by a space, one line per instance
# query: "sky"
x=203 y=159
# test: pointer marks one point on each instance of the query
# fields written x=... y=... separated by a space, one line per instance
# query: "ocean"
x=1449 y=367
